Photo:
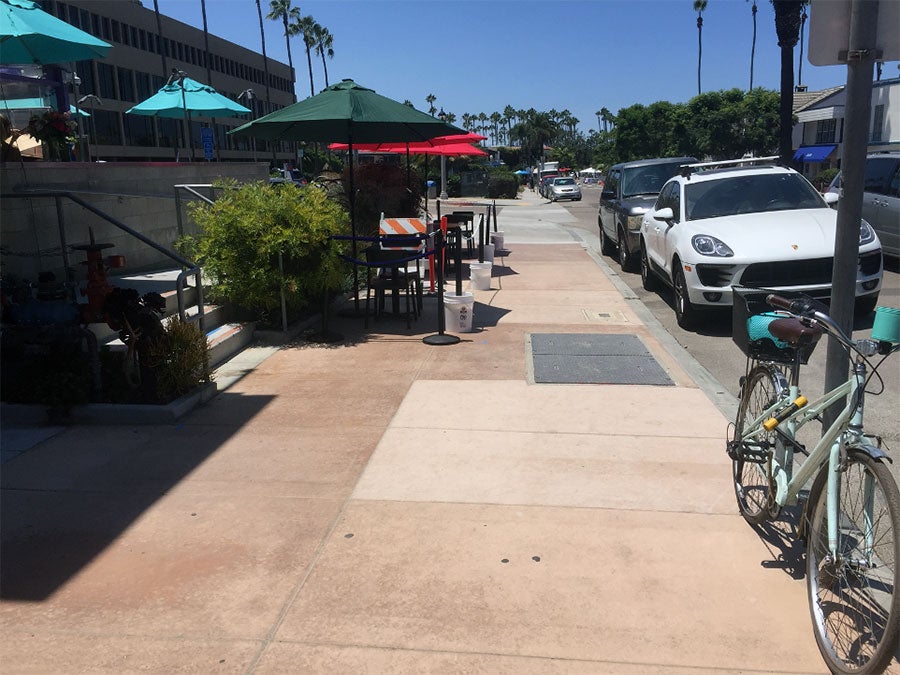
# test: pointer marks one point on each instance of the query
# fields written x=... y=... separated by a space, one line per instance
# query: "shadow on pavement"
x=63 y=502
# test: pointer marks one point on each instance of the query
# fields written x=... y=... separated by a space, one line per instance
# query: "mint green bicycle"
x=851 y=517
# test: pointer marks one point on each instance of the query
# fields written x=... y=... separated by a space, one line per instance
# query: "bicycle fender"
x=875 y=453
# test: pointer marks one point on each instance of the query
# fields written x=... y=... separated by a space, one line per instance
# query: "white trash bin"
x=480 y=274
x=497 y=240
x=458 y=311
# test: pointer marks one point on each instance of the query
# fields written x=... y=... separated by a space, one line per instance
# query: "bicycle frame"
x=844 y=431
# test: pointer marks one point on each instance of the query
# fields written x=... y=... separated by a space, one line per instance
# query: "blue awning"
x=813 y=153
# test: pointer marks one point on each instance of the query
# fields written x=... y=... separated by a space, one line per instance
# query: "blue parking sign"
x=206 y=137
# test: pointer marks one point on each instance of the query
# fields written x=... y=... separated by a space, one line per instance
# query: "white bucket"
x=458 y=311
x=488 y=253
x=480 y=274
x=497 y=240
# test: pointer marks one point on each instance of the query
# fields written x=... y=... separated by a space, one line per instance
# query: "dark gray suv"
x=630 y=190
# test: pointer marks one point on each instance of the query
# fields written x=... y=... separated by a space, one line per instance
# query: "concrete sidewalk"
x=382 y=505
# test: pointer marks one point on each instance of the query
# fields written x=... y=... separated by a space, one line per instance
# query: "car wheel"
x=606 y=246
x=685 y=312
x=626 y=257
x=648 y=281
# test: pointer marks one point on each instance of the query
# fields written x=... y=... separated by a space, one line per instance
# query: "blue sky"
x=481 y=55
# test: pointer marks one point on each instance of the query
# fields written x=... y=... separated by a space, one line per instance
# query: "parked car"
x=563 y=188
x=717 y=225
x=629 y=189
x=881 y=198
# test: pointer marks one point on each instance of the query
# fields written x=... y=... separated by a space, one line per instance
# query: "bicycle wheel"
x=764 y=385
x=852 y=596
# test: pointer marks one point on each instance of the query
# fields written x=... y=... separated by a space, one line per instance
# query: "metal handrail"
x=191 y=269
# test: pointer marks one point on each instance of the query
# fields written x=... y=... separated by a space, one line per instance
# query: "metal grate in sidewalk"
x=593 y=358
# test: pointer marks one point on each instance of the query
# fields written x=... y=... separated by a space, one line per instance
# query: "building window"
x=825 y=131
x=95 y=25
x=105 y=30
x=139 y=130
x=106 y=79
x=134 y=36
x=126 y=85
x=877 y=123
x=142 y=82
x=142 y=34
x=116 y=32
x=106 y=127
x=86 y=73
x=168 y=132
x=62 y=11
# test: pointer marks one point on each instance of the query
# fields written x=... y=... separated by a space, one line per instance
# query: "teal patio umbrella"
x=347 y=112
x=30 y=35
x=182 y=96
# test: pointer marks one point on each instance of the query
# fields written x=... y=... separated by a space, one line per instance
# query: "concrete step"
x=228 y=340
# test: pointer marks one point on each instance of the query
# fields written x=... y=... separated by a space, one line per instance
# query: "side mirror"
x=831 y=198
x=607 y=194
x=663 y=214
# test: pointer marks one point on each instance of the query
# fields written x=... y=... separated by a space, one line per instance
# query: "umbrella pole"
x=353 y=230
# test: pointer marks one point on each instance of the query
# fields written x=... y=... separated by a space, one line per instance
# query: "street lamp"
x=249 y=95
x=93 y=133
x=443 y=117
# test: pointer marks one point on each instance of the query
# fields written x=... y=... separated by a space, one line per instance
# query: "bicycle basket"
x=750 y=319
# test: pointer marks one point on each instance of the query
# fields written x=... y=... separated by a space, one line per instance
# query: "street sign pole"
x=860 y=58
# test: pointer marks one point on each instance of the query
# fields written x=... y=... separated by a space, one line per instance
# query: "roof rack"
x=687 y=169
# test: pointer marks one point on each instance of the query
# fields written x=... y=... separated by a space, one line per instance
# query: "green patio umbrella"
x=182 y=96
x=347 y=112
x=30 y=35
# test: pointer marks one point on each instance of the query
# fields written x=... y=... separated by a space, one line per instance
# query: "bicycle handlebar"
x=808 y=308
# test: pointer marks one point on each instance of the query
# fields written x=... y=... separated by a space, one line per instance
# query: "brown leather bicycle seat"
x=795 y=332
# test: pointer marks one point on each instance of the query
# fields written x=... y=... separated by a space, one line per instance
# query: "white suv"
x=719 y=224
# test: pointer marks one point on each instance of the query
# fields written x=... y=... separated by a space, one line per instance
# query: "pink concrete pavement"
x=381 y=505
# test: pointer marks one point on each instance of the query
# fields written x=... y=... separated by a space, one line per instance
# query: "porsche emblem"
x=794 y=246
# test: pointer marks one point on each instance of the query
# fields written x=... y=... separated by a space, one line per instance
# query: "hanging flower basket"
x=56 y=131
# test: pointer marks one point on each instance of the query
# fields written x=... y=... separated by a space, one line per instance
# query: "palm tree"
x=599 y=128
x=281 y=9
x=495 y=119
x=753 y=10
x=483 y=118
x=699 y=6
x=262 y=35
x=787 y=27
x=608 y=119
x=431 y=98
x=305 y=26
x=803 y=18
x=324 y=42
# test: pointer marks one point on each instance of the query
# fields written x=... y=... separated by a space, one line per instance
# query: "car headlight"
x=634 y=223
x=707 y=245
x=866 y=233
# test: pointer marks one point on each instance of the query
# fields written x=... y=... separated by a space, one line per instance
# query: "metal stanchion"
x=440 y=338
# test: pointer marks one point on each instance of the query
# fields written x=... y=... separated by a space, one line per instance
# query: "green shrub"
x=245 y=232
x=823 y=179
x=454 y=186
x=502 y=185
x=180 y=360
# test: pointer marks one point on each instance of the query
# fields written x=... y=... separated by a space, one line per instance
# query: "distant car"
x=564 y=188
x=881 y=198
x=542 y=186
x=715 y=226
x=627 y=191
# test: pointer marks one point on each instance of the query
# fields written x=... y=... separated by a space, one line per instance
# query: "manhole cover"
x=588 y=358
